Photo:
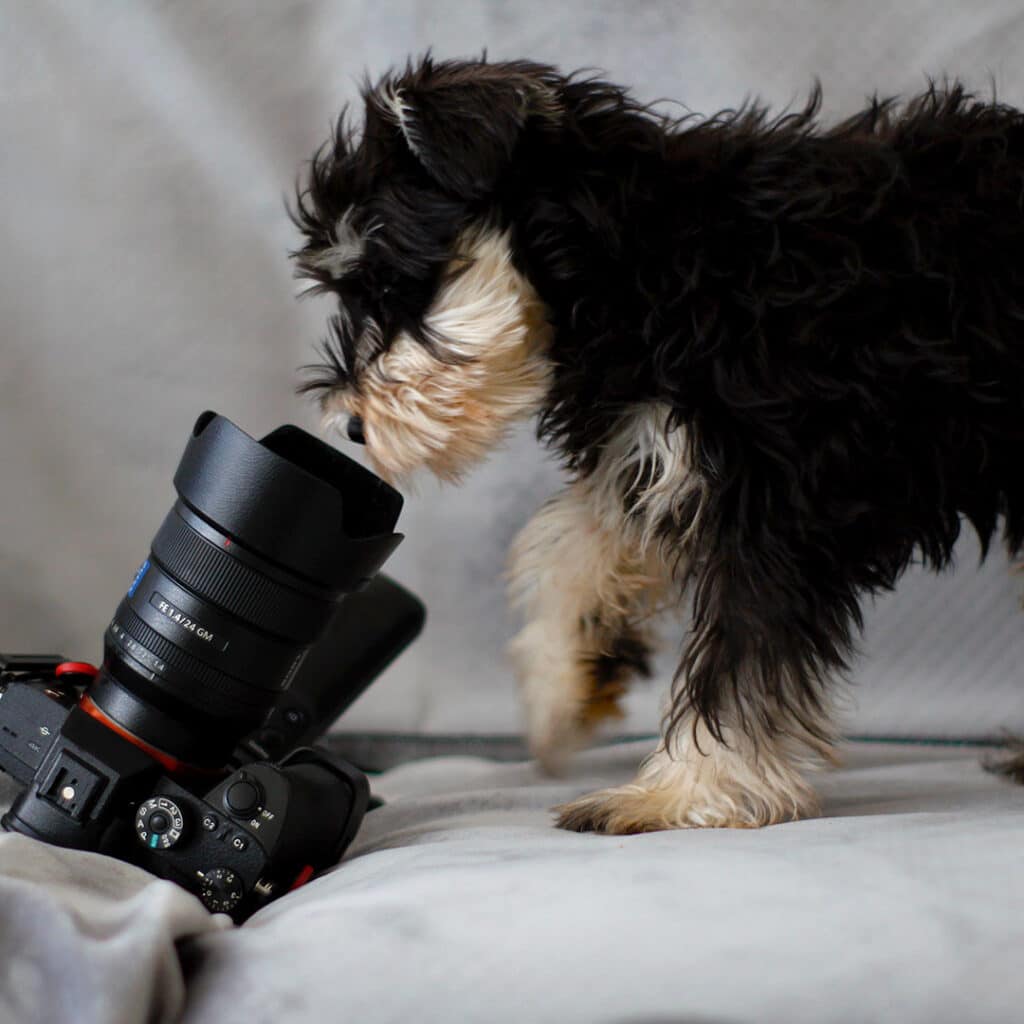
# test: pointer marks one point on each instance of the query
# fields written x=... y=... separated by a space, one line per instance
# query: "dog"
x=778 y=360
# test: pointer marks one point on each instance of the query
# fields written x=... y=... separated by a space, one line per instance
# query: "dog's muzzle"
x=355 y=430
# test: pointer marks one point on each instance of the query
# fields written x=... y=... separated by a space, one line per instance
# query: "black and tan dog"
x=779 y=360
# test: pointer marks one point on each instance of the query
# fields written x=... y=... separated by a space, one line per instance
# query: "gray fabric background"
x=145 y=151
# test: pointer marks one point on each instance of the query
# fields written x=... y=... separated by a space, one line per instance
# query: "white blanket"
x=459 y=902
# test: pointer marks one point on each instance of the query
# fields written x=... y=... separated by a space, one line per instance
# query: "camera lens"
x=265 y=539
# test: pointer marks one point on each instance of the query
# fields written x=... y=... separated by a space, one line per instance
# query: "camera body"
x=236 y=841
x=264 y=830
x=257 y=618
x=278 y=812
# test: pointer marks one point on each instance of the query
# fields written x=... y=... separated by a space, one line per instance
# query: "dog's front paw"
x=680 y=801
x=626 y=810
x=716 y=786
x=620 y=811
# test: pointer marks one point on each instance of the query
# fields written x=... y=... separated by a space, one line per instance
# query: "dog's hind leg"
x=1009 y=762
x=587 y=594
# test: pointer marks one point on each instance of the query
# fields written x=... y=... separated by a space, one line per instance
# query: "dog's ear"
x=462 y=120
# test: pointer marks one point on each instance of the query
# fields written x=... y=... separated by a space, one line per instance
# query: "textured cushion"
x=459 y=902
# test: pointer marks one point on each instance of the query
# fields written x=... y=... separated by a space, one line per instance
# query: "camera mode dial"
x=159 y=823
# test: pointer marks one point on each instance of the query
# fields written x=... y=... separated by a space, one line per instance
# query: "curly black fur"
x=833 y=314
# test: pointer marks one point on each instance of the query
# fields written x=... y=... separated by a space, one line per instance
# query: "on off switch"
x=242 y=798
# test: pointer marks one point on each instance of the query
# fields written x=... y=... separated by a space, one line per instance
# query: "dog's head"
x=439 y=342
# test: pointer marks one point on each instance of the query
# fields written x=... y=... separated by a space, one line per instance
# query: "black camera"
x=257 y=618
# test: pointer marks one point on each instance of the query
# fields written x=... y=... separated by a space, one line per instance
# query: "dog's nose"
x=355 y=430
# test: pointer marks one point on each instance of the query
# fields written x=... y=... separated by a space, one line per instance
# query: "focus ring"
x=221 y=693
x=215 y=576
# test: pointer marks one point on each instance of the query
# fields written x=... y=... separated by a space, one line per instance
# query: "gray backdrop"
x=143 y=277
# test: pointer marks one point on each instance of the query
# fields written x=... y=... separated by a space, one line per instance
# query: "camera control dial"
x=159 y=823
x=221 y=889
x=242 y=798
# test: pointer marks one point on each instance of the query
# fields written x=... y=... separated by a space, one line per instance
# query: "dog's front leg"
x=750 y=713
x=697 y=780
x=587 y=593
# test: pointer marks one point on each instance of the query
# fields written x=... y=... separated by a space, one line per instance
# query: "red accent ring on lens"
x=302 y=878
x=172 y=764
x=75 y=668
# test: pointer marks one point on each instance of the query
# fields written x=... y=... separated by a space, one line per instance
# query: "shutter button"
x=242 y=798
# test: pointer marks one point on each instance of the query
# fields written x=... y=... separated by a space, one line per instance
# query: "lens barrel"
x=245 y=573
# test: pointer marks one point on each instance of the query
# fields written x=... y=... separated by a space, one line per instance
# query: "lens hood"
x=292 y=499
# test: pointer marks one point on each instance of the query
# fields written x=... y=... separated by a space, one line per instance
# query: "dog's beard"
x=446 y=408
